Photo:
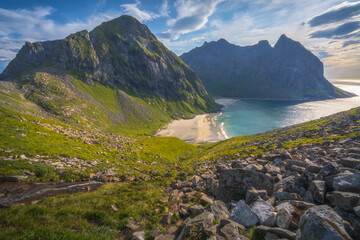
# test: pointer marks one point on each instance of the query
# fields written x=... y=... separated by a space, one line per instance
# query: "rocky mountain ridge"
x=120 y=58
x=285 y=71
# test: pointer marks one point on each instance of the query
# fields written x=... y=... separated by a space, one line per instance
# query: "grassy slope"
x=67 y=98
x=89 y=215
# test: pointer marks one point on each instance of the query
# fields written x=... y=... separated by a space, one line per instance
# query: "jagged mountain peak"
x=286 y=71
x=121 y=54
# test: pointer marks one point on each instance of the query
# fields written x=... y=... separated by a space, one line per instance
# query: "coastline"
x=201 y=128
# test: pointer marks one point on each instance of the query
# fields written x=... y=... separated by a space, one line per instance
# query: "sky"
x=328 y=28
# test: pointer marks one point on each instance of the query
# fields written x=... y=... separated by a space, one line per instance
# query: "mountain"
x=285 y=71
x=117 y=75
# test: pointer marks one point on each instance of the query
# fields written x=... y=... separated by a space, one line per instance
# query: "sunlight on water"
x=244 y=117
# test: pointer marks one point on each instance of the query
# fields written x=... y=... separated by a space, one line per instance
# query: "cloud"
x=341 y=30
x=192 y=15
x=351 y=42
x=164 y=10
x=323 y=54
x=20 y=25
x=134 y=10
x=338 y=13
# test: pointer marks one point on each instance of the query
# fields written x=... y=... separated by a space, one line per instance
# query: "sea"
x=244 y=117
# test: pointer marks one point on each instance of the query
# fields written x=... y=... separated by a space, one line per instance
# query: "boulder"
x=219 y=209
x=206 y=200
x=282 y=233
x=265 y=213
x=140 y=235
x=244 y=215
x=229 y=231
x=321 y=223
x=271 y=236
x=196 y=226
x=252 y=194
x=286 y=196
x=349 y=162
x=283 y=218
x=328 y=170
x=196 y=210
x=347 y=183
x=346 y=200
x=287 y=206
x=357 y=210
x=233 y=183
x=269 y=168
x=166 y=219
x=317 y=189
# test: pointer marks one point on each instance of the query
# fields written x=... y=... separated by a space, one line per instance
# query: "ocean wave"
x=222 y=129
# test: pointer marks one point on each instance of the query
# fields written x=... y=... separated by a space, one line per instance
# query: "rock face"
x=285 y=71
x=244 y=215
x=321 y=222
x=120 y=55
x=233 y=183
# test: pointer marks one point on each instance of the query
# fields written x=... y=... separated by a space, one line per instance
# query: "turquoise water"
x=244 y=117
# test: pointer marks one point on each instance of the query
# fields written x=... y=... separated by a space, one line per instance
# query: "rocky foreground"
x=306 y=192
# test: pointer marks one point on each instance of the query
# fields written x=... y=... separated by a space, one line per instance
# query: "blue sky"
x=330 y=29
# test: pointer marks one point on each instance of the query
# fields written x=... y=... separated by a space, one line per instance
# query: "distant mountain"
x=285 y=71
x=118 y=72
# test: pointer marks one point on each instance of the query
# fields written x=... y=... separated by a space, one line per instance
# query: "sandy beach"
x=201 y=128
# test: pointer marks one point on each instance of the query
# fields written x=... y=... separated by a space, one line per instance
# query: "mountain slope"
x=116 y=77
x=285 y=71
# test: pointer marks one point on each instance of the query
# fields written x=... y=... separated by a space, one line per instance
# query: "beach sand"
x=201 y=128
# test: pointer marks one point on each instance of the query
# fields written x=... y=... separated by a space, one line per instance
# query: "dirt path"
x=17 y=193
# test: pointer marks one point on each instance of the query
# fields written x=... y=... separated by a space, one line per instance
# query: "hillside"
x=116 y=78
x=131 y=177
x=285 y=71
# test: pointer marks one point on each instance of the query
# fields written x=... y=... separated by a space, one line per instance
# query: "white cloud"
x=20 y=25
x=192 y=15
x=134 y=10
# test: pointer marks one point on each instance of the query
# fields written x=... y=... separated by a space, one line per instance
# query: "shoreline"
x=201 y=128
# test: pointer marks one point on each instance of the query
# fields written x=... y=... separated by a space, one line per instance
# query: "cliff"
x=286 y=71
x=119 y=70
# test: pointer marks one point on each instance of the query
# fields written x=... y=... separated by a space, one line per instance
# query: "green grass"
x=89 y=215
x=85 y=215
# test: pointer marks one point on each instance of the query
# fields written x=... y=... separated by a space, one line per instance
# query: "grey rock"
x=265 y=213
x=283 y=218
x=235 y=182
x=282 y=233
x=321 y=223
x=357 y=210
x=244 y=215
x=347 y=183
x=166 y=219
x=196 y=210
x=287 y=206
x=230 y=231
x=140 y=235
x=328 y=170
x=349 y=162
x=271 y=236
x=317 y=189
x=198 y=225
x=219 y=209
x=253 y=194
x=346 y=200
x=286 y=196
